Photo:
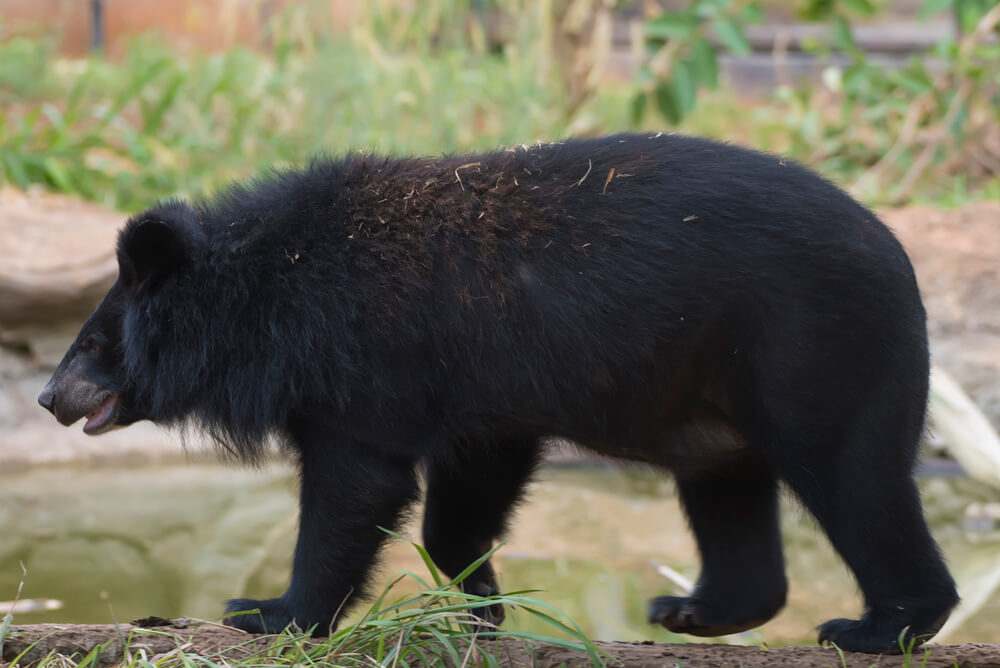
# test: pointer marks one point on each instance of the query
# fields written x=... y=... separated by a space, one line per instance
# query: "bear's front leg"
x=347 y=493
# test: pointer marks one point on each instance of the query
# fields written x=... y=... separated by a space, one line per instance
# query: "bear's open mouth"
x=102 y=418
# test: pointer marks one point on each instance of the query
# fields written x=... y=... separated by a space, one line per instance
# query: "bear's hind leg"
x=470 y=494
x=864 y=497
x=734 y=517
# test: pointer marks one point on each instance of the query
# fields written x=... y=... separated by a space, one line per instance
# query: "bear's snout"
x=47 y=398
x=72 y=393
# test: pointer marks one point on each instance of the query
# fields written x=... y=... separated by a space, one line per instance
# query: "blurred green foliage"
x=432 y=78
x=156 y=123
x=883 y=131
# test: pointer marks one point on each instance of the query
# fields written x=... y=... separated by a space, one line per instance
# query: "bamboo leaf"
x=637 y=108
x=931 y=7
x=666 y=102
x=840 y=34
x=684 y=86
x=60 y=177
x=705 y=64
x=731 y=36
x=153 y=118
x=668 y=25
x=863 y=7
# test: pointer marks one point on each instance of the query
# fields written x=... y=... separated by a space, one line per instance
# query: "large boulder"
x=59 y=254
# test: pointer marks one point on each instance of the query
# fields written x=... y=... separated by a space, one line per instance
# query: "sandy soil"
x=220 y=643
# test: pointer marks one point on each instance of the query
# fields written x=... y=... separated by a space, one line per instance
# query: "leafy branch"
x=886 y=131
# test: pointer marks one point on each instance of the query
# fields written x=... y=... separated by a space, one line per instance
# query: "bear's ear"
x=150 y=249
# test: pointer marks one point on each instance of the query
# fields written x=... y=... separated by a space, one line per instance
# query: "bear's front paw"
x=273 y=615
x=270 y=616
x=494 y=614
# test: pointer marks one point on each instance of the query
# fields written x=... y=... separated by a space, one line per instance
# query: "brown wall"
x=212 y=25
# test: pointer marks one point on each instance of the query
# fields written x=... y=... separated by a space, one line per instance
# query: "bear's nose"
x=47 y=399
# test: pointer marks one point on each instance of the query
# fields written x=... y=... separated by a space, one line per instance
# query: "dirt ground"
x=225 y=644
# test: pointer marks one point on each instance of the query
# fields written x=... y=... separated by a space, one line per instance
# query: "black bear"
x=719 y=313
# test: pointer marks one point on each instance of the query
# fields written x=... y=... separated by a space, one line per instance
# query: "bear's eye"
x=91 y=346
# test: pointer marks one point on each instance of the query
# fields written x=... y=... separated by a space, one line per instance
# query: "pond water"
x=172 y=540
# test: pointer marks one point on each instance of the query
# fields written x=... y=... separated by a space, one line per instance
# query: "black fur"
x=720 y=313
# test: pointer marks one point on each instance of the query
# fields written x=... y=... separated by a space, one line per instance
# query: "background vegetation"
x=437 y=78
x=881 y=131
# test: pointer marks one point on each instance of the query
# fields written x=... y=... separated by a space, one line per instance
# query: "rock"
x=956 y=253
x=59 y=259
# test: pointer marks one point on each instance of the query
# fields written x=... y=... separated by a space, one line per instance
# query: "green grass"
x=435 y=626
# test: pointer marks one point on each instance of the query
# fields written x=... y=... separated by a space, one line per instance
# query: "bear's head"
x=93 y=378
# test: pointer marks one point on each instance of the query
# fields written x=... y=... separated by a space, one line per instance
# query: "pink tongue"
x=102 y=415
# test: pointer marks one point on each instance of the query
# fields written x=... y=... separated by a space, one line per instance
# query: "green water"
x=117 y=544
